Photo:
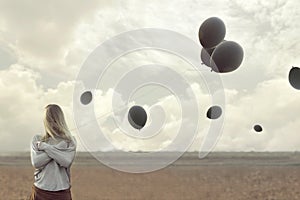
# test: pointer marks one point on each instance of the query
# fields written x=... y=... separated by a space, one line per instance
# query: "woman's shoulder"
x=73 y=140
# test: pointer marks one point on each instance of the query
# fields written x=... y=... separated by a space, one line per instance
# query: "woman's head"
x=55 y=124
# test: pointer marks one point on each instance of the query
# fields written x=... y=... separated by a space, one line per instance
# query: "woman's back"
x=52 y=156
x=52 y=160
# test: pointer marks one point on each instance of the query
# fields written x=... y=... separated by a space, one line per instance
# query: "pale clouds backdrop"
x=44 y=43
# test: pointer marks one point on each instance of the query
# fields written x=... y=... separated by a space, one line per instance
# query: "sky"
x=43 y=45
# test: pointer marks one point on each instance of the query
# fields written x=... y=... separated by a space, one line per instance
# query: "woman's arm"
x=64 y=156
x=38 y=158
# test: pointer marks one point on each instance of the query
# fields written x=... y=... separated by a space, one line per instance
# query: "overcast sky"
x=43 y=44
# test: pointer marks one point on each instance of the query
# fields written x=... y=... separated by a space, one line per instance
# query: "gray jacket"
x=52 y=162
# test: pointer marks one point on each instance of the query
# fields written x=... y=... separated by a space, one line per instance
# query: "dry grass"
x=175 y=182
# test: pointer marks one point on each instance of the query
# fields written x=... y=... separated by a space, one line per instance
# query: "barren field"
x=218 y=177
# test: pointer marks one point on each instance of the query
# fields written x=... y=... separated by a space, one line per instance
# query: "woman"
x=52 y=156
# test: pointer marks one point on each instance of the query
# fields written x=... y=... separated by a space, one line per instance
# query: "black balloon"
x=227 y=57
x=211 y=32
x=205 y=55
x=137 y=117
x=86 y=98
x=214 y=112
x=294 y=77
x=258 y=128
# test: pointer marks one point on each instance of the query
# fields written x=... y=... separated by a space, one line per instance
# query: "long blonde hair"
x=55 y=124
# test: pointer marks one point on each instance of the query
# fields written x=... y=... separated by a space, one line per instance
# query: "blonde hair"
x=55 y=124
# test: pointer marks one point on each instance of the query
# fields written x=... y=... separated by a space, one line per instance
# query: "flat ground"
x=209 y=181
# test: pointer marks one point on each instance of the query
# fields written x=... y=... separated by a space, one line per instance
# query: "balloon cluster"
x=226 y=56
x=220 y=55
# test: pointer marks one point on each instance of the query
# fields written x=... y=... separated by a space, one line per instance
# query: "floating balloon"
x=258 y=128
x=214 y=112
x=86 y=98
x=227 y=57
x=211 y=32
x=137 y=117
x=205 y=55
x=294 y=77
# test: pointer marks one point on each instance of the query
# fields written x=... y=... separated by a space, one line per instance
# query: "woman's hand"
x=38 y=143
x=41 y=145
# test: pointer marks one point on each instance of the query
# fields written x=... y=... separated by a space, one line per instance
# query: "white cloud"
x=43 y=28
x=7 y=56
x=41 y=33
x=43 y=44
x=273 y=104
x=23 y=103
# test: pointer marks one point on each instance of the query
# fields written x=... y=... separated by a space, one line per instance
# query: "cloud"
x=167 y=134
x=23 y=102
x=43 y=28
x=279 y=119
x=268 y=33
x=41 y=32
x=7 y=56
x=43 y=45
x=273 y=104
